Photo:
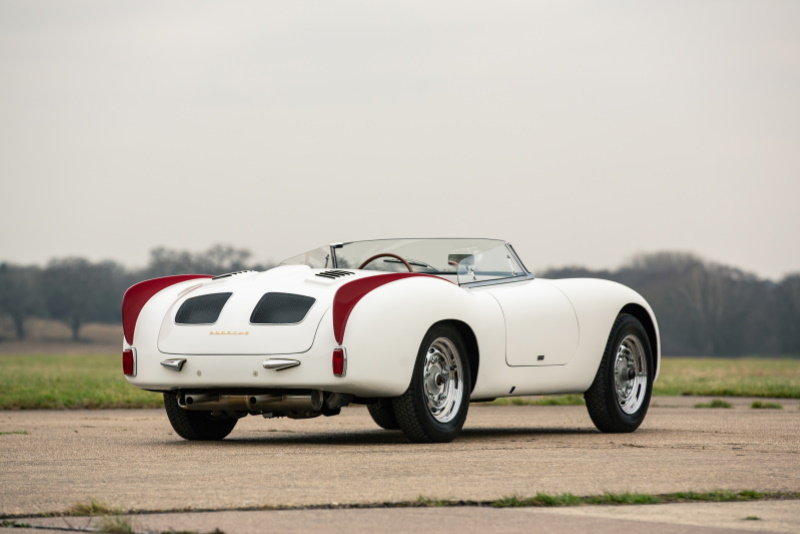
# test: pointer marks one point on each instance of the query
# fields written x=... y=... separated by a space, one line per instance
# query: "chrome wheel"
x=619 y=397
x=630 y=374
x=435 y=405
x=443 y=380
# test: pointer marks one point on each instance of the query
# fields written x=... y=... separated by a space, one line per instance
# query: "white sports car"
x=413 y=328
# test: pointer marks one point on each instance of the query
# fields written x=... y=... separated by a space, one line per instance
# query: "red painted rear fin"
x=350 y=293
x=138 y=294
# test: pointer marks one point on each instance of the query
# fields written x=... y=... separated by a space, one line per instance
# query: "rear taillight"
x=129 y=362
x=339 y=361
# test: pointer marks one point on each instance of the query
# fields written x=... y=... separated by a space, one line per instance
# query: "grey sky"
x=582 y=132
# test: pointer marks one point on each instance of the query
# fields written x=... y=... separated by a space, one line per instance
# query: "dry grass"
x=716 y=403
x=92 y=507
x=548 y=400
x=760 y=405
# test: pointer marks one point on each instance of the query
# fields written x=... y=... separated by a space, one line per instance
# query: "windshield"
x=319 y=258
x=459 y=259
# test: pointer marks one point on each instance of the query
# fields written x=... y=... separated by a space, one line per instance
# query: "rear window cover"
x=281 y=308
x=204 y=309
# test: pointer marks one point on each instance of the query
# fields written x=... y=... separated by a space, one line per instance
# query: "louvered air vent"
x=281 y=308
x=226 y=275
x=334 y=273
x=204 y=309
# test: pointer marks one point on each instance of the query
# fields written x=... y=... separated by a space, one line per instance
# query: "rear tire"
x=434 y=407
x=618 y=398
x=383 y=414
x=196 y=425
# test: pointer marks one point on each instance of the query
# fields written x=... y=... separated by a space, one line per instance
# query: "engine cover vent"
x=228 y=275
x=281 y=308
x=204 y=309
x=334 y=273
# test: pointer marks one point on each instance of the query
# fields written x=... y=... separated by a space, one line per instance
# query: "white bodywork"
x=533 y=336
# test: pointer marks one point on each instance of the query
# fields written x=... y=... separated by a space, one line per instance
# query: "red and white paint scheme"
x=413 y=328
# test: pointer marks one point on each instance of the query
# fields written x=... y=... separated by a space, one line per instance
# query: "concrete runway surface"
x=131 y=459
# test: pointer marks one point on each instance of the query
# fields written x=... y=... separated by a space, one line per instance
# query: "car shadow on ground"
x=374 y=437
x=504 y=432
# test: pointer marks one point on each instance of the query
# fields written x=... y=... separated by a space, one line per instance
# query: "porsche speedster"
x=415 y=329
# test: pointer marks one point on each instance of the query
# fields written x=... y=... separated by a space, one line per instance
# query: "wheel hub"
x=442 y=380
x=630 y=374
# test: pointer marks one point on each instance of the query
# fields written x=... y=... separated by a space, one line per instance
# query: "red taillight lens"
x=128 y=362
x=339 y=361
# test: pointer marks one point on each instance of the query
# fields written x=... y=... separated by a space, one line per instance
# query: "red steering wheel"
x=382 y=254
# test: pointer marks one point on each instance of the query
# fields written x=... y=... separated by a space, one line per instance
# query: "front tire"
x=196 y=425
x=618 y=398
x=434 y=407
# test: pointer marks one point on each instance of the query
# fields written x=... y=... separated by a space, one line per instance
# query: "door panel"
x=541 y=326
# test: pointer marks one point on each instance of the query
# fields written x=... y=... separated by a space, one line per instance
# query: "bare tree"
x=20 y=295
x=702 y=308
x=224 y=258
x=218 y=259
x=659 y=277
x=720 y=300
x=788 y=313
x=78 y=291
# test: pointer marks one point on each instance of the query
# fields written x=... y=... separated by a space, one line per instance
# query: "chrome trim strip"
x=135 y=361
x=498 y=281
x=174 y=364
x=279 y=364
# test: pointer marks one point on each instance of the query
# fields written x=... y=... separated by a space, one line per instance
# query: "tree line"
x=76 y=291
x=703 y=308
x=709 y=309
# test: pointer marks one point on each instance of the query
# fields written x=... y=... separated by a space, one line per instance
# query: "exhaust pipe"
x=295 y=404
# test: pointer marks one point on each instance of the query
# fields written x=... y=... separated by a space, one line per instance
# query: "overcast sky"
x=582 y=132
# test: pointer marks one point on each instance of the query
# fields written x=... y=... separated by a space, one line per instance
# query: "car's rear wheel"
x=383 y=414
x=196 y=425
x=434 y=407
x=618 y=398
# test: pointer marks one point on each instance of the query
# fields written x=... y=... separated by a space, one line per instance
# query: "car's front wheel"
x=196 y=425
x=434 y=407
x=620 y=394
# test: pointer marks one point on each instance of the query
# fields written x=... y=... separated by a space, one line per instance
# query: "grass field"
x=96 y=381
x=730 y=377
x=69 y=381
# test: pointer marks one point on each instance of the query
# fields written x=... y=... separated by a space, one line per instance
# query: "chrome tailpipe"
x=297 y=406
